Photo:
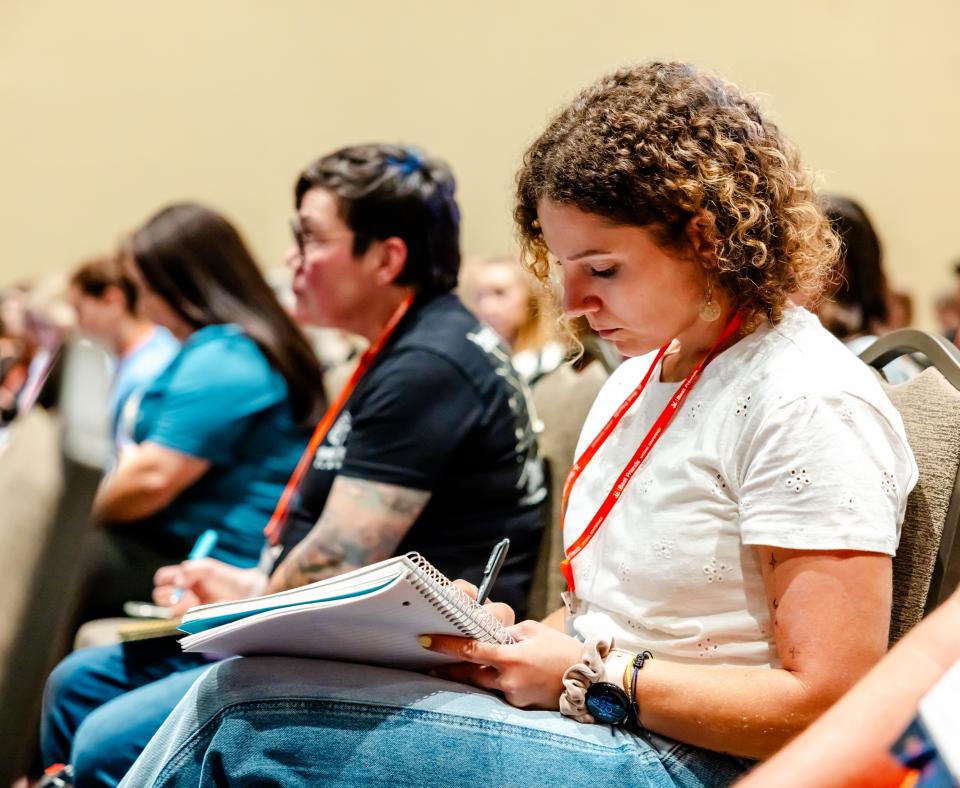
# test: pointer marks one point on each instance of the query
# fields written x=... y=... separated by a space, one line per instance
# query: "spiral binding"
x=458 y=608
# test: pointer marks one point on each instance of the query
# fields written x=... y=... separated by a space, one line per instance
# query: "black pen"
x=492 y=569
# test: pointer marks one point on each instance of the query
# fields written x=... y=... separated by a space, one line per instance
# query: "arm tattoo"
x=362 y=522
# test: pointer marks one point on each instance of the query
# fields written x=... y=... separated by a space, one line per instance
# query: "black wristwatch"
x=607 y=703
x=607 y=699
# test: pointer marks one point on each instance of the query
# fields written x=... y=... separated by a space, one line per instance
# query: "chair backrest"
x=927 y=565
x=49 y=473
x=562 y=399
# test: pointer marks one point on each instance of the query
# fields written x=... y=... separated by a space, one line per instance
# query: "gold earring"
x=709 y=309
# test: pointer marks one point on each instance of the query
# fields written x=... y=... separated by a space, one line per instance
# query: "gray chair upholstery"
x=562 y=399
x=925 y=569
x=49 y=473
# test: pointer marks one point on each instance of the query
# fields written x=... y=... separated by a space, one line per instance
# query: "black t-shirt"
x=442 y=410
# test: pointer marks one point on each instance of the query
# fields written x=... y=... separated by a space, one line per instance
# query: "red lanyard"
x=275 y=526
x=663 y=420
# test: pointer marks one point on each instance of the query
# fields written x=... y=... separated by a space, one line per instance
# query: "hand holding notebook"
x=372 y=615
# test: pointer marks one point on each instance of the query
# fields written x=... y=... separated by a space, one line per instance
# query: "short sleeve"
x=210 y=397
x=826 y=473
x=419 y=410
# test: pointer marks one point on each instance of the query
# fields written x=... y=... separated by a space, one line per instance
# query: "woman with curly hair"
x=729 y=522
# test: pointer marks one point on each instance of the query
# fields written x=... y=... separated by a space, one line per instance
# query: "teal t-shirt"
x=220 y=400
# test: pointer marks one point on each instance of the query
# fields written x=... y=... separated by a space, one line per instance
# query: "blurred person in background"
x=509 y=300
x=15 y=349
x=215 y=436
x=900 y=310
x=858 y=310
x=217 y=433
x=948 y=315
x=105 y=300
x=48 y=320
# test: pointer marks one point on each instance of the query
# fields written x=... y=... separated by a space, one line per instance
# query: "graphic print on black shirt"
x=530 y=480
x=441 y=410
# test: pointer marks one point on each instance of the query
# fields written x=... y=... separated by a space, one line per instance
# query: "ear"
x=391 y=260
x=114 y=296
x=701 y=238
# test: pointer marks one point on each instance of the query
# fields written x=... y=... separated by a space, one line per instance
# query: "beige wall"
x=109 y=108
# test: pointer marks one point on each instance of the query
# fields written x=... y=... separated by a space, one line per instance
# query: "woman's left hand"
x=529 y=672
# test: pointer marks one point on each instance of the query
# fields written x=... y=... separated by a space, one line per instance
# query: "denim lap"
x=292 y=722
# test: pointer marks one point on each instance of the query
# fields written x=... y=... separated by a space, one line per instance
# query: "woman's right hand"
x=204 y=581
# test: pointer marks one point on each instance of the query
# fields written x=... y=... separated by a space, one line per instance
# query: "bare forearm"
x=362 y=522
x=308 y=563
x=129 y=496
x=750 y=712
x=148 y=478
x=853 y=738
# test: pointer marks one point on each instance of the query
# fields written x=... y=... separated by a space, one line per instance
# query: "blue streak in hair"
x=407 y=165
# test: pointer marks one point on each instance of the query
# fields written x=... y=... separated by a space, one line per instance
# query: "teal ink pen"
x=201 y=549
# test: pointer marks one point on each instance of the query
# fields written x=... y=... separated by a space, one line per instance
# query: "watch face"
x=607 y=703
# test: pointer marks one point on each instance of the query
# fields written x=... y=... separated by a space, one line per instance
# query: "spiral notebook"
x=371 y=615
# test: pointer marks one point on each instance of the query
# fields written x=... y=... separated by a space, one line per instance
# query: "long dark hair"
x=196 y=261
x=863 y=286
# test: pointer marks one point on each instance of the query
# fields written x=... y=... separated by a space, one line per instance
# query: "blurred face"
x=13 y=315
x=501 y=299
x=333 y=288
x=631 y=290
x=98 y=317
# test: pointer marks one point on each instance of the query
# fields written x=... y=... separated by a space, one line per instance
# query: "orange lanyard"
x=279 y=516
x=663 y=420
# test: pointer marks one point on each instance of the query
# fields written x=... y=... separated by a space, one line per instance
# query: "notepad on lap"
x=371 y=615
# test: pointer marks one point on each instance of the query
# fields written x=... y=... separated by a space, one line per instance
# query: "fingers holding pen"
x=180 y=586
x=502 y=612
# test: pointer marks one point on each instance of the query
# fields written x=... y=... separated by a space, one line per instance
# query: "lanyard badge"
x=643 y=451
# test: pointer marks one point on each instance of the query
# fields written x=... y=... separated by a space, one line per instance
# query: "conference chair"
x=926 y=568
x=562 y=399
x=49 y=473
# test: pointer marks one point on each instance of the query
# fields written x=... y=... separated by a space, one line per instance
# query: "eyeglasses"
x=302 y=239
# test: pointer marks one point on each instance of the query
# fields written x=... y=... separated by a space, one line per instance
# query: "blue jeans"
x=101 y=705
x=282 y=721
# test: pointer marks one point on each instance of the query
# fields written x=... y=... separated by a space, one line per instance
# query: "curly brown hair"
x=658 y=144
